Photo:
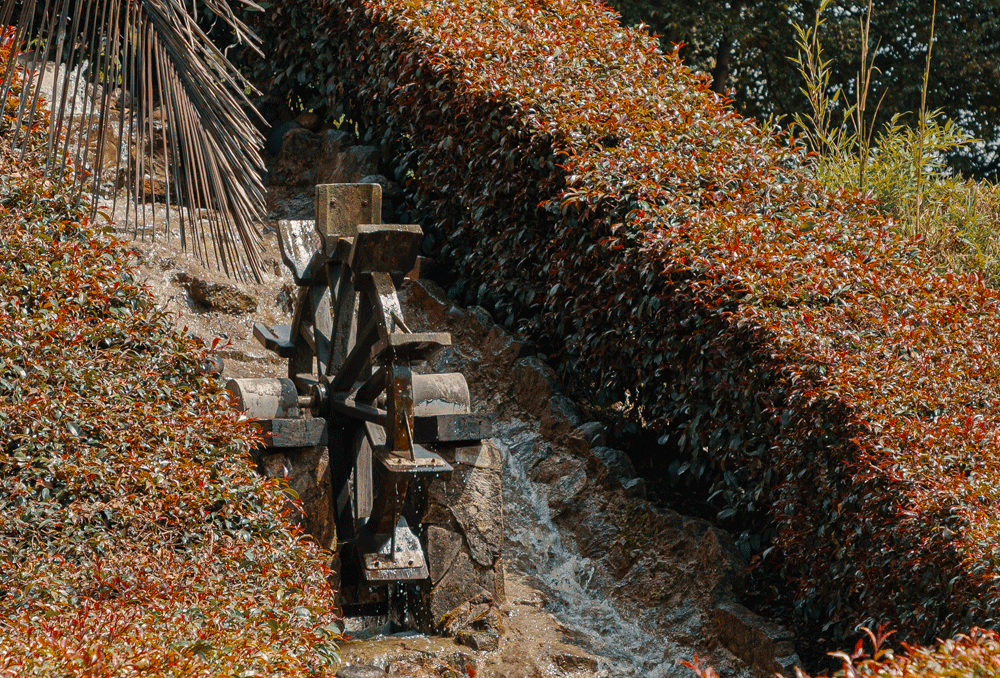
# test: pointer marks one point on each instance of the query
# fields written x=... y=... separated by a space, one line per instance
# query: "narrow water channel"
x=535 y=547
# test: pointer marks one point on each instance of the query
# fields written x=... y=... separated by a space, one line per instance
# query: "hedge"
x=682 y=261
x=972 y=655
x=136 y=537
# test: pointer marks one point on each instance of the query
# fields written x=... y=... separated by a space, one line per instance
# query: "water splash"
x=535 y=547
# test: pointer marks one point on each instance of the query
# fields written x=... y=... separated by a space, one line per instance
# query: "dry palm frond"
x=152 y=75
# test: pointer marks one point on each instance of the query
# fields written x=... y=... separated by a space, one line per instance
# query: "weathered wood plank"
x=413 y=346
x=341 y=207
x=298 y=251
x=275 y=339
x=386 y=248
x=450 y=428
x=284 y=433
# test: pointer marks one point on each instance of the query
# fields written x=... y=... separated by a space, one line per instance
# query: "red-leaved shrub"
x=136 y=537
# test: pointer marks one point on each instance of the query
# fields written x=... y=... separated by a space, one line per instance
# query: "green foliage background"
x=759 y=38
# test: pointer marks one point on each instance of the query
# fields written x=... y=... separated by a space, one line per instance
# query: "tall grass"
x=901 y=166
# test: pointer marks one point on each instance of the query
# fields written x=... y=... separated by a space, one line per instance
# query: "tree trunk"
x=720 y=74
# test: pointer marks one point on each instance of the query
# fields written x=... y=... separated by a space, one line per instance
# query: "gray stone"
x=560 y=416
x=591 y=435
x=752 y=638
x=535 y=383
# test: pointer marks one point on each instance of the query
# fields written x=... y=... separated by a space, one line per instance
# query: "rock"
x=430 y=300
x=212 y=364
x=576 y=662
x=464 y=532
x=485 y=456
x=588 y=436
x=342 y=164
x=619 y=471
x=481 y=641
x=307 y=473
x=335 y=140
x=447 y=600
x=565 y=477
x=754 y=639
x=788 y=664
x=502 y=349
x=635 y=488
x=285 y=300
x=560 y=416
x=535 y=383
x=475 y=502
x=298 y=159
x=392 y=194
x=217 y=297
x=480 y=322
x=476 y=624
x=721 y=566
x=443 y=547
x=365 y=159
x=275 y=138
x=310 y=121
x=526 y=445
x=360 y=671
x=390 y=189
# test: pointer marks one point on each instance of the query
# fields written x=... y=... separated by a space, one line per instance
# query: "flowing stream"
x=535 y=547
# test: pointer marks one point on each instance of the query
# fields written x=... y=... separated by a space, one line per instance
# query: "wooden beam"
x=285 y=433
x=451 y=428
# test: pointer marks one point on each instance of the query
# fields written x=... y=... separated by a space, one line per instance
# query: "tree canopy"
x=745 y=47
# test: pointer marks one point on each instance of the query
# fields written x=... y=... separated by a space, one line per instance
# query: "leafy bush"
x=135 y=535
x=972 y=655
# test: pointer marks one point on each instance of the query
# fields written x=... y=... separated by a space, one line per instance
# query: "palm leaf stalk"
x=178 y=90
